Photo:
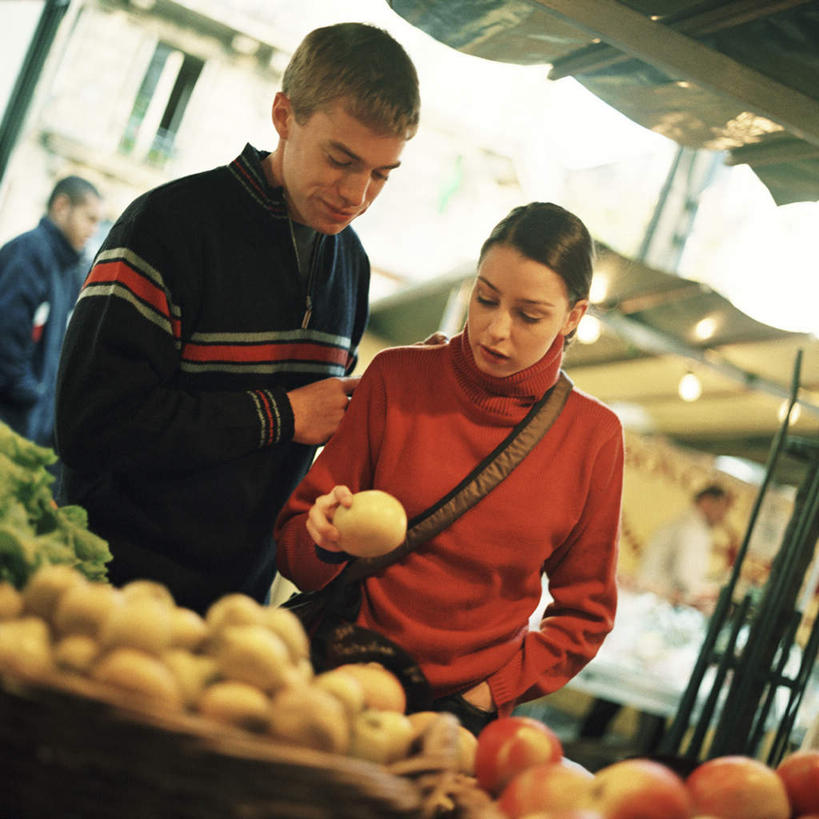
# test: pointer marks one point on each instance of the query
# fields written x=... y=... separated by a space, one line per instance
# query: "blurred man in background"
x=40 y=277
x=676 y=561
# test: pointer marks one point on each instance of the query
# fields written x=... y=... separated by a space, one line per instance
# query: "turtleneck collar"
x=505 y=396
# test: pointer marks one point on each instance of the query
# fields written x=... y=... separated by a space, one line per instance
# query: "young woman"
x=421 y=419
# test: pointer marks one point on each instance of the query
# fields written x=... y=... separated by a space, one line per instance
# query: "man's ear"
x=282 y=114
x=60 y=208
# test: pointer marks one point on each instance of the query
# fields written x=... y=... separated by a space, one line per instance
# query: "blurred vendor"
x=677 y=557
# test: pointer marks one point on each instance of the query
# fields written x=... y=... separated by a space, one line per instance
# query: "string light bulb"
x=589 y=329
x=690 y=387
x=795 y=412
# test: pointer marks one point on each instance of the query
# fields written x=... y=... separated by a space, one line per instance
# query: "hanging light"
x=705 y=328
x=795 y=412
x=589 y=329
x=690 y=387
x=599 y=289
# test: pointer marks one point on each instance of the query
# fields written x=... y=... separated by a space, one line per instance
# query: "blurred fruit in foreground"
x=738 y=787
x=549 y=786
x=509 y=745
x=639 y=789
x=800 y=773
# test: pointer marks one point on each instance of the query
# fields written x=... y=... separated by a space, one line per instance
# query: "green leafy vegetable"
x=33 y=530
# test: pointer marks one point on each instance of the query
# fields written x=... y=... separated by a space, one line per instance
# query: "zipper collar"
x=247 y=168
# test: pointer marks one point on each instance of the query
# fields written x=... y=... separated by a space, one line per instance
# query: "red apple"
x=549 y=786
x=800 y=773
x=639 y=789
x=738 y=787
x=509 y=745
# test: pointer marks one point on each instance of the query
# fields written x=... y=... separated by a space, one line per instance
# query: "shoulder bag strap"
x=479 y=482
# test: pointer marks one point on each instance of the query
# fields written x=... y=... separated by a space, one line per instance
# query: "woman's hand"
x=320 y=517
x=480 y=696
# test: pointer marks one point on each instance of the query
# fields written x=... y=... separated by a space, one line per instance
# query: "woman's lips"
x=493 y=355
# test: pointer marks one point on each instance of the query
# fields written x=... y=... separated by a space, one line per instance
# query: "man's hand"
x=319 y=407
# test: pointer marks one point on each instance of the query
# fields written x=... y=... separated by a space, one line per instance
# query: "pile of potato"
x=243 y=664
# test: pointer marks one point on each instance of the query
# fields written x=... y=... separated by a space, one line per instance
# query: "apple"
x=374 y=524
x=738 y=787
x=639 y=788
x=509 y=745
x=800 y=773
x=548 y=786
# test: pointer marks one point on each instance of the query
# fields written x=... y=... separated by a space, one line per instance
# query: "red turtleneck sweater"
x=420 y=420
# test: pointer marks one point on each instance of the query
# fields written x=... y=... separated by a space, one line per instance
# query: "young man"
x=209 y=351
x=40 y=277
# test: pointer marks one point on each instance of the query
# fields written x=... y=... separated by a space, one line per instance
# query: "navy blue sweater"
x=39 y=282
x=172 y=417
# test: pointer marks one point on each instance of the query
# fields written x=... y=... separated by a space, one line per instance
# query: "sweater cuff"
x=274 y=414
x=326 y=556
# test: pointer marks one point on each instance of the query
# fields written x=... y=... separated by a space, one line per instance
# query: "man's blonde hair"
x=364 y=67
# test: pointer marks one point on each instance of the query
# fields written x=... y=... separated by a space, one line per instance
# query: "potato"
x=373 y=525
x=310 y=717
x=45 y=587
x=25 y=646
x=142 y=622
x=193 y=672
x=76 y=653
x=236 y=703
x=188 y=629
x=83 y=609
x=140 y=589
x=11 y=602
x=233 y=610
x=253 y=655
x=382 y=689
x=285 y=625
x=138 y=672
x=346 y=688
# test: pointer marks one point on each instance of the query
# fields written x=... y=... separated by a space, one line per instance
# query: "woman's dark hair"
x=553 y=236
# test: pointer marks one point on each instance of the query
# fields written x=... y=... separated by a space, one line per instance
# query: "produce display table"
x=646 y=660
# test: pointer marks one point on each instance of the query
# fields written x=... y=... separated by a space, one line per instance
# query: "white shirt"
x=677 y=557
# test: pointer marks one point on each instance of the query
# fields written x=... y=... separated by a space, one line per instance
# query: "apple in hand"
x=738 y=787
x=800 y=773
x=549 y=787
x=639 y=789
x=509 y=745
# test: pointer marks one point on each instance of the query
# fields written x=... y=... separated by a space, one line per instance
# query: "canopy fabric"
x=740 y=76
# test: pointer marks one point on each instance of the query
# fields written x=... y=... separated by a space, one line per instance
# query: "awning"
x=740 y=76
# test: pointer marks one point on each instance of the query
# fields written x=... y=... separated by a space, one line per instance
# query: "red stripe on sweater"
x=142 y=287
x=268 y=412
x=265 y=352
